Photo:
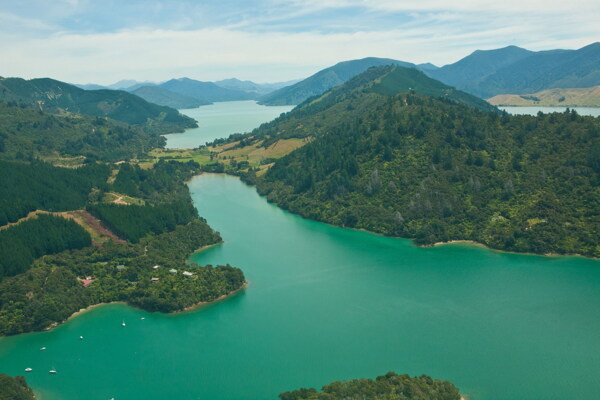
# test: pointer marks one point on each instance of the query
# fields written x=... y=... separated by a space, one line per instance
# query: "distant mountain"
x=252 y=87
x=579 y=97
x=324 y=80
x=513 y=70
x=207 y=92
x=128 y=84
x=164 y=97
x=427 y=67
x=90 y=86
x=57 y=97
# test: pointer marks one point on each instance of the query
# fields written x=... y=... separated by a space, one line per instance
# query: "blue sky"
x=270 y=40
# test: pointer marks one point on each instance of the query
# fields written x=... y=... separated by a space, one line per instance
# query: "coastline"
x=220 y=298
x=465 y=241
x=189 y=308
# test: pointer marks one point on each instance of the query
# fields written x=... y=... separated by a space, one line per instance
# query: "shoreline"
x=218 y=299
x=189 y=308
x=465 y=241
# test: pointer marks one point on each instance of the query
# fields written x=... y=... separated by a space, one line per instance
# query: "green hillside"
x=14 y=388
x=390 y=386
x=324 y=80
x=57 y=97
x=206 y=92
x=164 y=97
x=26 y=133
x=434 y=170
x=518 y=71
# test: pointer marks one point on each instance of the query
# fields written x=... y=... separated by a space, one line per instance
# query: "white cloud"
x=431 y=31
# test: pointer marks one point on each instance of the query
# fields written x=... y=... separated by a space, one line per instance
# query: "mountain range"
x=513 y=70
x=58 y=97
x=484 y=73
x=324 y=80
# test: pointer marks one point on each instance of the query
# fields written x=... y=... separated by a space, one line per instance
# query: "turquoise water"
x=326 y=303
x=220 y=120
x=593 y=111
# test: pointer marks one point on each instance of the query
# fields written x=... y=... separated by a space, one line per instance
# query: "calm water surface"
x=220 y=120
x=325 y=303
x=593 y=111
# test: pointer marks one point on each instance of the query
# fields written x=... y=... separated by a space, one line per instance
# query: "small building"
x=120 y=267
x=154 y=280
x=187 y=274
x=172 y=271
x=86 y=282
x=156 y=267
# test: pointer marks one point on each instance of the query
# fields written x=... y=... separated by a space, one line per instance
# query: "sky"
x=103 y=41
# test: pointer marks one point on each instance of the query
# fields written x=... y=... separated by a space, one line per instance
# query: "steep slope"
x=434 y=170
x=164 y=97
x=324 y=80
x=513 y=70
x=28 y=133
x=478 y=65
x=544 y=70
x=207 y=92
x=53 y=96
x=579 y=97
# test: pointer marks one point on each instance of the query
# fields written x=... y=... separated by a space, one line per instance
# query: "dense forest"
x=50 y=292
x=45 y=260
x=40 y=186
x=58 y=97
x=390 y=386
x=14 y=388
x=45 y=234
x=133 y=222
x=27 y=133
x=434 y=170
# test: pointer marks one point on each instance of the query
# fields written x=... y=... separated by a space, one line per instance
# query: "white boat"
x=52 y=371
x=28 y=369
x=123 y=323
x=81 y=337
x=143 y=318
x=42 y=348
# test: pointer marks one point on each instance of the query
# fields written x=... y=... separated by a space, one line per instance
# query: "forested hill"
x=27 y=133
x=14 y=388
x=324 y=80
x=434 y=170
x=513 y=70
x=387 y=387
x=57 y=97
x=61 y=258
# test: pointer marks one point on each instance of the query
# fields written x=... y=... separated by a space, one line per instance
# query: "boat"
x=42 y=348
x=123 y=323
x=143 y=318
x=28 y=369
x=81 y=337
x=52 y=371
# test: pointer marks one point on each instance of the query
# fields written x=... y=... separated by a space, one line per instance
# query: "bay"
x=326 y=303
x=219 y=120
x=592 y=111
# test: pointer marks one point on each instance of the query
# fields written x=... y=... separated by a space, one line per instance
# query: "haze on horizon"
x=92 y=41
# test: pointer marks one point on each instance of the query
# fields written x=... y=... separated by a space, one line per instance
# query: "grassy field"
x=254 y=154
x=581 y=97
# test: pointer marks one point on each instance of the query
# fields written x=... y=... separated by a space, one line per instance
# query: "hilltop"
x=435 y=169
x=324 y=80
x=52 y=96
x=513 y=70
